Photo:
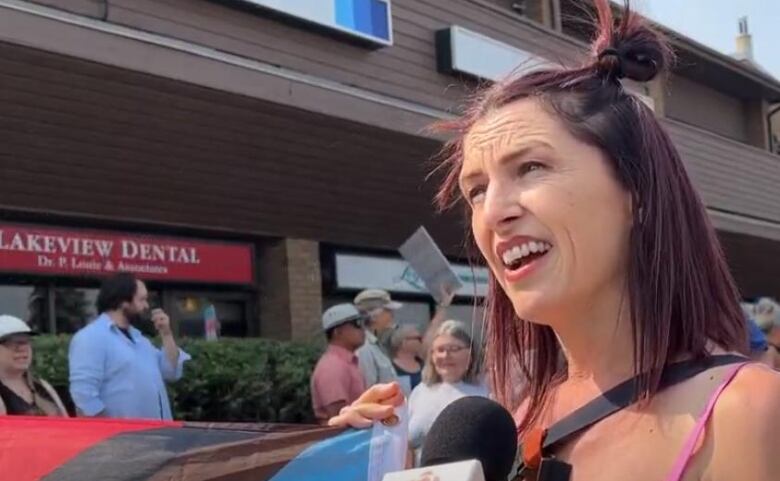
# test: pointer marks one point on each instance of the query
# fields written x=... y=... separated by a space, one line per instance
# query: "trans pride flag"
x=59 y=449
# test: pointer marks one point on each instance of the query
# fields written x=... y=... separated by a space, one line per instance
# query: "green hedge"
x=228 y=380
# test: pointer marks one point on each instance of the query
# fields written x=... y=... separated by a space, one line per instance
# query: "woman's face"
x=383 y=321
x=412 y=342
x=15 y=353
x=451 y=358
x=547 y=213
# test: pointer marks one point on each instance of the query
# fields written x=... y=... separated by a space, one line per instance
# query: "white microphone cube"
x=461 y=471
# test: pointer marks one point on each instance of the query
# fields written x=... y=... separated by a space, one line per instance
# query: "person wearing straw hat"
x=379 y=308
x=20 y=392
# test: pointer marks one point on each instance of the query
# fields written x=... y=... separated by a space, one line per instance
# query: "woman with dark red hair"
x=605 y=268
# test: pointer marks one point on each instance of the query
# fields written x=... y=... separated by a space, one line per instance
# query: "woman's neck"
x=11 y=375
x=406 y=357
x=597 y=341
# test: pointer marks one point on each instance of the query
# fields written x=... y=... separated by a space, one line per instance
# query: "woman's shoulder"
x=476 y=388
x=745 y=426
x=420 y=390
x=754 y=392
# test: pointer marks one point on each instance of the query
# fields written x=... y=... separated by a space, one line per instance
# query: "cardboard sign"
x=427 y=260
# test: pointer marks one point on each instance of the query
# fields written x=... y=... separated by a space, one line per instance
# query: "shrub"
x=236 y=380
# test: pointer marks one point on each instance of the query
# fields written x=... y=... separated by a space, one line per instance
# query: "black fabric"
x=136 y=456
x=126 y=332
x=625 y=394
x=17 y=405
x=414 y=377
x=473 y=428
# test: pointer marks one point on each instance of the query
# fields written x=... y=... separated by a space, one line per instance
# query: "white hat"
x=340 y=314
x=10 y=325
x=371 y=299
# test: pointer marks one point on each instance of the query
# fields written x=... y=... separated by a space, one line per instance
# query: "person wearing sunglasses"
x=337 y=380
x=21 y=393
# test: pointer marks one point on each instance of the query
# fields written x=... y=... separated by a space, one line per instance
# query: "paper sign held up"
x=425 y=257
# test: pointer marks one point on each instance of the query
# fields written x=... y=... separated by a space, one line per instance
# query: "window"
x=74 y=307
x=417 y=313
x=189 y=312
x=29 y=303
x=471 y=316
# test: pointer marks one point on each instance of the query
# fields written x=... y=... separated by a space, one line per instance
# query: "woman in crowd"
x=766 y=313
x=20 y=392
x=604 y=267
x=452 y=371
x=405 y=348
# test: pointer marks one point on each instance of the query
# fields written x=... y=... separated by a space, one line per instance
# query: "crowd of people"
x=611 y=304
x=431 y=369
x=114 y=370
x=764 y=322
x=605 y=271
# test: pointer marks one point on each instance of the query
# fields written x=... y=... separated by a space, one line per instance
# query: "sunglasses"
x=359 y=322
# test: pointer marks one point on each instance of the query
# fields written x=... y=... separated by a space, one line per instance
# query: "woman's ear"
x=636 y=211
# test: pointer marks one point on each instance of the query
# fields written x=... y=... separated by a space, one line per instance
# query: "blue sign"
x=365 y=19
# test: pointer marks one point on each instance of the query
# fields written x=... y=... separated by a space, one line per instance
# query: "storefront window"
x=191 y=311
x=470 y=315
x=416 y=313
x=73 y=308
x=28 y=303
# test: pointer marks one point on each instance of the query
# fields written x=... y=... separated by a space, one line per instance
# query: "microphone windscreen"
x=473 y=428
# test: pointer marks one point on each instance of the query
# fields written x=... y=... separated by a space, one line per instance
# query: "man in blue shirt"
x=114 y=370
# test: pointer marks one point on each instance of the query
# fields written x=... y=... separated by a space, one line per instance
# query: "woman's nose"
x=501 y=207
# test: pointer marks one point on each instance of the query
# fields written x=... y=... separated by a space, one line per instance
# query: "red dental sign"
x=41 y=250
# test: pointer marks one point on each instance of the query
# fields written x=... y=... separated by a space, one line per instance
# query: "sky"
x=714 y=24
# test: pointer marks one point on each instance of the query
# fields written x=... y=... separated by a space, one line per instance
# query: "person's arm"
x=376 y=403
x=171 y=358
x=54 y=397
x=332 y=388
x=333 y=409
x=3 y=410
x=86 y=363
x=741 y=441
x=367 y=366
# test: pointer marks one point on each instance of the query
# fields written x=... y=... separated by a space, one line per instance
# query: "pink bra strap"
x=690 y=444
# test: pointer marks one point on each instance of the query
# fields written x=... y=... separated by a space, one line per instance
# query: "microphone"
x=473 y=439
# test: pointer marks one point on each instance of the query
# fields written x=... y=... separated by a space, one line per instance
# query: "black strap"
x=624 y=394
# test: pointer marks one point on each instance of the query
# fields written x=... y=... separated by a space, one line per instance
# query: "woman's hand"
x=375 y=404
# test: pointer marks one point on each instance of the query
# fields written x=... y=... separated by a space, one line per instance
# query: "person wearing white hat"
x=379 y=308
x=20 y=392
x=337 y=380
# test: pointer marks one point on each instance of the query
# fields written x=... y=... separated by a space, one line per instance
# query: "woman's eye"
x=530 y=166
x=476 y=195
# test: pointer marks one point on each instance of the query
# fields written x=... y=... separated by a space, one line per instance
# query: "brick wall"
x=305 y=288
x=290 y=282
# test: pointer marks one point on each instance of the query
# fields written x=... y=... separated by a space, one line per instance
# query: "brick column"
x=290 y=283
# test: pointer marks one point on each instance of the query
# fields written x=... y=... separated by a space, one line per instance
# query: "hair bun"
x=639 y=66
x=629 y=49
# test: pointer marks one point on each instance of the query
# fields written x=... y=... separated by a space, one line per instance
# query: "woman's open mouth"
x=522 y=258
